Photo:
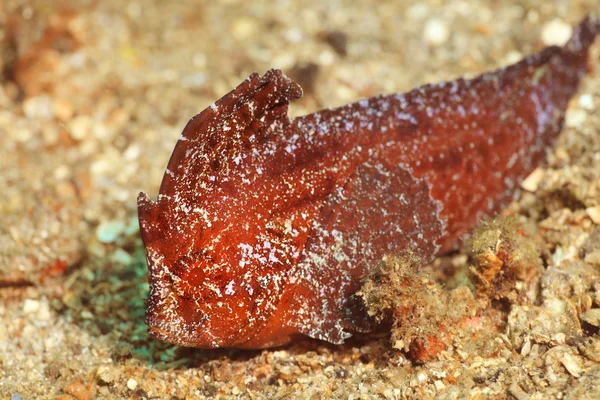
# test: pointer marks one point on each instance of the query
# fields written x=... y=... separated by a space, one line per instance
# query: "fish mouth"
x=174 y=330
x=178 y=339
x=168 y=320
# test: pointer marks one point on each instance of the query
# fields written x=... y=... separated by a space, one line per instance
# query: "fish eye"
x=196 y=276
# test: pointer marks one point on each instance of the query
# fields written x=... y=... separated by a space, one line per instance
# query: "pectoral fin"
x=381 y=210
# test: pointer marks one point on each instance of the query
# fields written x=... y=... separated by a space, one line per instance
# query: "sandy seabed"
x=93 y=96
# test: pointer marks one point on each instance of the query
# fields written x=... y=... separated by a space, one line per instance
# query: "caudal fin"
x=583 y=36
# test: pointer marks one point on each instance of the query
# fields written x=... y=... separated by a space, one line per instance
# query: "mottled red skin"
x=264 y=227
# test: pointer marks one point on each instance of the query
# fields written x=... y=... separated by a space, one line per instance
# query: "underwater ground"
x=93 y=96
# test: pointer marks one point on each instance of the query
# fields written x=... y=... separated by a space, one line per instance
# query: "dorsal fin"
x=254 y=108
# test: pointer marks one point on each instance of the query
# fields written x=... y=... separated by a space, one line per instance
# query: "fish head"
x=200 y=295
x=211 y=284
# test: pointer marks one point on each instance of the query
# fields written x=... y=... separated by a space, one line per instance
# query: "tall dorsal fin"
x=254 y=108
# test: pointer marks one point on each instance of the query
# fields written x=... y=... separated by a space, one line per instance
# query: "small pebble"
x=575 y=117
x=50 y=133
x=418 y=11
x=244 y=27
x=31 y=306
x=562 y=155
x=526 y=349
x=326 y=57
x=532 y=182
x=556 y=32
x=518 y=392
x=594 y=214
x=193 y=81
x=43 y=313
x=80 y=127
x=132 y=384
x=436 y=32
x=62 y=172
x=293 y=35
x=586 y=101
x=108 y=374
x=63 y=109
x=559 y=338
x=109 y=231
x=338 y=41
x=122 y=257
x=133 y=227
x=572 y=365
x=132 y=152
x=512 y=57
x=593 y=257
x=591 y=316
x=39 y=107
x=102 y=167
x=199 y=60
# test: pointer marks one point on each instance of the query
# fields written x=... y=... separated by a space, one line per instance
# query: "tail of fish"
x=572 y=61
x=583 y=36
x=559 y=76
x=530 y=103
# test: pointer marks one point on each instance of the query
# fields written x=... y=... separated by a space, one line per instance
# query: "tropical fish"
x=265 y=226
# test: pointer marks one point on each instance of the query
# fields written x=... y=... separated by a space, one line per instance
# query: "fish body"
x=265 y=227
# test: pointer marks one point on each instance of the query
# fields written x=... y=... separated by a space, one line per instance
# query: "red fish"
x=265 y=227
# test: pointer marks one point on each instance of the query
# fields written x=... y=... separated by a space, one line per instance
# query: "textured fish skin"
x=265 y=227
